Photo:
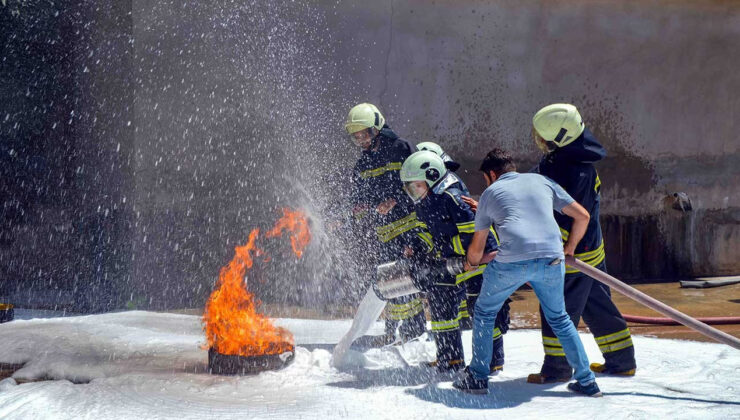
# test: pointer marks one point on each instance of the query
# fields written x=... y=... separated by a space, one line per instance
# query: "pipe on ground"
x=651 y=303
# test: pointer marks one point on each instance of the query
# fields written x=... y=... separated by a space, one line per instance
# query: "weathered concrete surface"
x=66 y=131
x=655 y=80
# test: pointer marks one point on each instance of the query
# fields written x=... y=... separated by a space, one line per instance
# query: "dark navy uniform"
x=572 y=167
x=466 y=322
x=375 y=179
x=451 y=223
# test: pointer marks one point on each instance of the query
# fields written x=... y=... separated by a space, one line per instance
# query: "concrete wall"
x=655 y=80
x=66 y=131
x=142 y=140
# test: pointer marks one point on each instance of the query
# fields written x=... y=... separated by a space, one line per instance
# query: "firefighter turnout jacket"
x=572 y=168
x=375 y=179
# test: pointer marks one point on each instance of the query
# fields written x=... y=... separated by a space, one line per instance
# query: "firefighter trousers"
x=405 y=314
x=444 y=299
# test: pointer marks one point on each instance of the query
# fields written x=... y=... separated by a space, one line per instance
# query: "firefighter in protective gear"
x=556 y=126
x=379 y=201
x=436 y=194
x=437 y=150
x=450 y=163
x=570 y=152
x=464 y=311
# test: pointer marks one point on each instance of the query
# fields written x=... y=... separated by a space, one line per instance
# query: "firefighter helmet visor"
x=416 y=190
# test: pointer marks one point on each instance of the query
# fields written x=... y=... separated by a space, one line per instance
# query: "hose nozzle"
x=398 y=278
x=455 y=265
x=394 y=280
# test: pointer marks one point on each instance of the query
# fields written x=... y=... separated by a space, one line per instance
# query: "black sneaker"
x=467 y=383
x=591 y=390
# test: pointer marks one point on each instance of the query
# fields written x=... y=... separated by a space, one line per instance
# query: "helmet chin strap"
x=545 y=146
x=375 y=141
x=418 y=199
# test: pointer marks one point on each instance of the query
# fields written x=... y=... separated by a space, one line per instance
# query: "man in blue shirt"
x=520 y=207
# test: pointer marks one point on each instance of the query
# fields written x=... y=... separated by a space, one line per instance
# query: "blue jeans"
x=500 y=280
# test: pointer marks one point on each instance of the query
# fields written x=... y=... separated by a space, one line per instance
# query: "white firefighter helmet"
x=434 y=147
x=431 y=146
x=559 y=124
x=363 y=116
x=424 y=166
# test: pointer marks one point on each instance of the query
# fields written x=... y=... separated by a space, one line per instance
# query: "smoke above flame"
x=231 y=321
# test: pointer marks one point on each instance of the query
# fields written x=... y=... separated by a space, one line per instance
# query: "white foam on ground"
x=139 y=365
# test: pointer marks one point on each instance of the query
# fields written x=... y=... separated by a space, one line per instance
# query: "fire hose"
x=398 y=279
x=654 y=304
x=650 y=320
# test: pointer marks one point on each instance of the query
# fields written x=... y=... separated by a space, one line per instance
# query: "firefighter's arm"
x=386 y=206
x=462 y=218
x=356 y=199
x=474 y=255
x=446 y=217
x=396 y=193
x=580 y=224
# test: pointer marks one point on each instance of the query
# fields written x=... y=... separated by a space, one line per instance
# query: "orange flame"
x=297 y=223
x=231 y=322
